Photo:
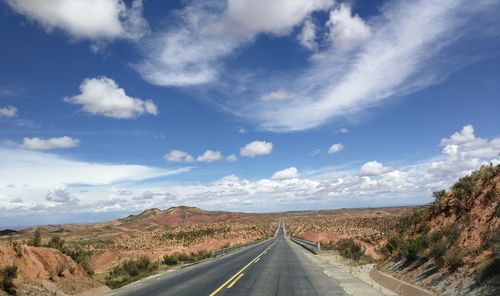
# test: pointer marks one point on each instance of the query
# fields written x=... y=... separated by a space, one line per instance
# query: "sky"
x=111 y=107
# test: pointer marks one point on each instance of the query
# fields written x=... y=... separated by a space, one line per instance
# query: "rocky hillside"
x=27 y=270
x=452 y=246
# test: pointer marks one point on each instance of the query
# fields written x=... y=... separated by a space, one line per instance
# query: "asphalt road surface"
x=274 y=267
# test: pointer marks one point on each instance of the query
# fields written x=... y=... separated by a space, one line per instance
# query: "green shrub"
x=487 y=269
x=9 y=273
x=170 y=260
x=348 y=248
x=452 y=233
x=412 y=249
x=438 y=250
x=129 y=271
x=36 y=240
x=56 y=243
x=454 y=258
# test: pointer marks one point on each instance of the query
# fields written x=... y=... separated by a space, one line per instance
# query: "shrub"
x=451 y=232
x=453 y=258
x=60 y=268
x=170 y=260
x=18 y=248
x=413 y=248
x=487 y=269
x=437 y=250
x=36 y=240
x=56 y=243
x=129 y=271
x=8 y=273
x=348 y=248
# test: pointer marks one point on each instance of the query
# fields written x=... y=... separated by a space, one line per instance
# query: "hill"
x=452 y=246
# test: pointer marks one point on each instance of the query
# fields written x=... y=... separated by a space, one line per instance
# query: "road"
x=274 y=267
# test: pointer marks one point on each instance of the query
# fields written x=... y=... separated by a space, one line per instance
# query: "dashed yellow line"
x=241 y=271
x=234 y=282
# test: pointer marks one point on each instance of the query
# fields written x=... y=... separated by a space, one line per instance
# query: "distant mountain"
x=7 y=232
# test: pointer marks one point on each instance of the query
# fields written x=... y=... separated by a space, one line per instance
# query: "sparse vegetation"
x=36 y=240
x=9 y=273
x=129 y=271
x=348 y=248
x=170 y=260
x=60 y=268
x=18 y=248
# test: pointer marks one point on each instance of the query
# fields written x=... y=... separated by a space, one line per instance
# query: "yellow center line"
x=241 y=270
x=234 y=282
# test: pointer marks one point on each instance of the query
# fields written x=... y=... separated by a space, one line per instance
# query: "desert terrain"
x=435 y=246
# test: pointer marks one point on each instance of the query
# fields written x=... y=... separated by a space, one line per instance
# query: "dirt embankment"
x=45 y=271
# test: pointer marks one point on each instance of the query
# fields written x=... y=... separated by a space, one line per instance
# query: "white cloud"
x=411 y=45
x=50 y=143
x=286 y=174
x=232 y=158
x=203 y=33
x=278 y=95
x=464 y=136
x=144 y=196
x=242 y=131
x=178 y=156
x=102 y=96
x=17 y=200
x=345 y=30
x=60 y=194
x=373 y=168
x=307 y=36
x=210 y=156
x=330 y=187
x=343 y=130
x=46 y=170
x=256 y=148
x=335 y=148
x=96 y=20
x=8 y=111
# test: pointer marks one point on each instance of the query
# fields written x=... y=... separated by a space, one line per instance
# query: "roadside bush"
x=349 y=249
x=438 y=250
x=487 y=269
x=36 y=240
x=9 y=273
x=81 y=257
x=453 y=258
x=170 y=260
x=129 y=271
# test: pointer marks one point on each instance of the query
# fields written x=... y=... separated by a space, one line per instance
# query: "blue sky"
x=110 y=107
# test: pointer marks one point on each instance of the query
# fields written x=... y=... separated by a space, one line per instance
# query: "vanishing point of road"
x=274 y=267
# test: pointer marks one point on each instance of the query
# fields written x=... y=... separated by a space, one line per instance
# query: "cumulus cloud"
x=278 y=95
x=335 y=148
x=232 y=158
x=203 y=33
x=286 y=174
x=102 y=96
x=8 y=111
x=178 y=156
x=210 y=156
x=347 y=31
x=60 y=194
x=373 y=168
x=50 y=143
x=256 y=148
x=96 y=20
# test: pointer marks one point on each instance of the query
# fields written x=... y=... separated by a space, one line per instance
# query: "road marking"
x=257 y=260
x=234 y=282
x=241 y=271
